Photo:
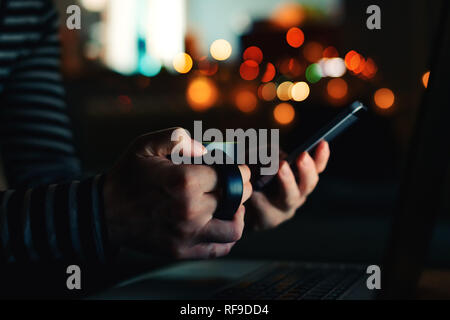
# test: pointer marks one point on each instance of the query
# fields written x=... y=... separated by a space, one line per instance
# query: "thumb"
x=164 y=142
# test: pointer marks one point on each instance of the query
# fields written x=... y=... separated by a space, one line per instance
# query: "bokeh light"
x=270 y=73
x=384 y=98
x=425 y=78
x=295 y=37
x=246 y=101
x=249 y=70
x=337 y=88
x=352 y=60
x=284 y=113
x=220 y=49
x=330 y=52
x=182 y=63
x=94 y=5
x=361 y=65
x=201 y=93
x=370 y=69
x=313 y=51
x=253 y=53
x=332 y=67
x=149 y=66
x=288 y=15
x=300 y=91
x=268 y=91
x=313 y=73
x=284 y=91
x=207 y=67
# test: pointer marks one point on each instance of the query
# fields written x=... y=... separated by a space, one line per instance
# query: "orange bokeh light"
x=284 y=113
x=313 y=51
x=295 y=37
x=425 y=78
x=270 y=73
x=370 y=69
x=268 y=91
x=384 y=98
x=249 y=70
x=330 y=52
x=246 y=101
x=288 y=15
x=253 y=53
x=207 y=67
x=201 y=94
x=352 y=60
x=337 y=88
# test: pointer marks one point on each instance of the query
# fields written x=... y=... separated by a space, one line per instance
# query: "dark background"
x=348 y=217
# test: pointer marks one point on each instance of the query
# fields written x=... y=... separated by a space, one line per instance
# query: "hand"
x=265 y=212
x=159 y=207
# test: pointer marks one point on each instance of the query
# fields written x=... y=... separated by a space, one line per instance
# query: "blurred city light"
x=149 y=66
x=220 y=49
x=284 y=113
x=121 y=52
x=269 y=74
x=370 y=69
x=249 y=70
x=337 y=88
x=313 y=73
x=300 y=91
x=352 y=60
x=313 y=51
x=332 y=67
x=201 y=94
x=165 y=27
x=284 y=91
x=384 y=98
x=182 y=63
x=253 y=53
x=330 y=52
x=94 y=5
x=295 y=37
x=288 y=15
x=246 y=101
x=268 y=91
x=425 y=78
x=207 y=67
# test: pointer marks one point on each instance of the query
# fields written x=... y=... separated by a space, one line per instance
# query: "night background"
x=142 y=65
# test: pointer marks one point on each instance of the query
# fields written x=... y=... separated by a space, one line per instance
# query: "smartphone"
x=330 y=131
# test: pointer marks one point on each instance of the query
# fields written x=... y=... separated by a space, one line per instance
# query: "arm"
x=39 y=219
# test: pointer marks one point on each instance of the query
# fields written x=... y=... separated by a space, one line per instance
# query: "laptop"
x=414 y=220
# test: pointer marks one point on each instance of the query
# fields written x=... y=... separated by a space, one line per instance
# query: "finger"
x=307 y=174
x=321 y=156
x=222 y=231
x=245 y=173
x=290 y=192
x=165 y=142
x=247 y=192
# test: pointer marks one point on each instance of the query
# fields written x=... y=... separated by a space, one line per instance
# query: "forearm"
x=54 y=223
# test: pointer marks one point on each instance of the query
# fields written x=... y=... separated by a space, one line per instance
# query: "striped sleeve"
x=35 y=133
x=59 y=222
x=47 y=214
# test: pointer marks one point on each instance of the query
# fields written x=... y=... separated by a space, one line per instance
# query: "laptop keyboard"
x=290 y=282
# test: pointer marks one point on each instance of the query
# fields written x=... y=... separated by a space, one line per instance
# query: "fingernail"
x=304 y=160
x=199 y=148
x=284 y=168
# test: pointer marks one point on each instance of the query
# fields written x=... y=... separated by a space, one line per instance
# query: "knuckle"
x=236 y=233
x=184 y=181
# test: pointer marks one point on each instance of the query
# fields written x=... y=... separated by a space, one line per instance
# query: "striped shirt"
x=46 y=215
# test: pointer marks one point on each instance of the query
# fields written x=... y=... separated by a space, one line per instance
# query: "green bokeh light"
x=313 y=73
